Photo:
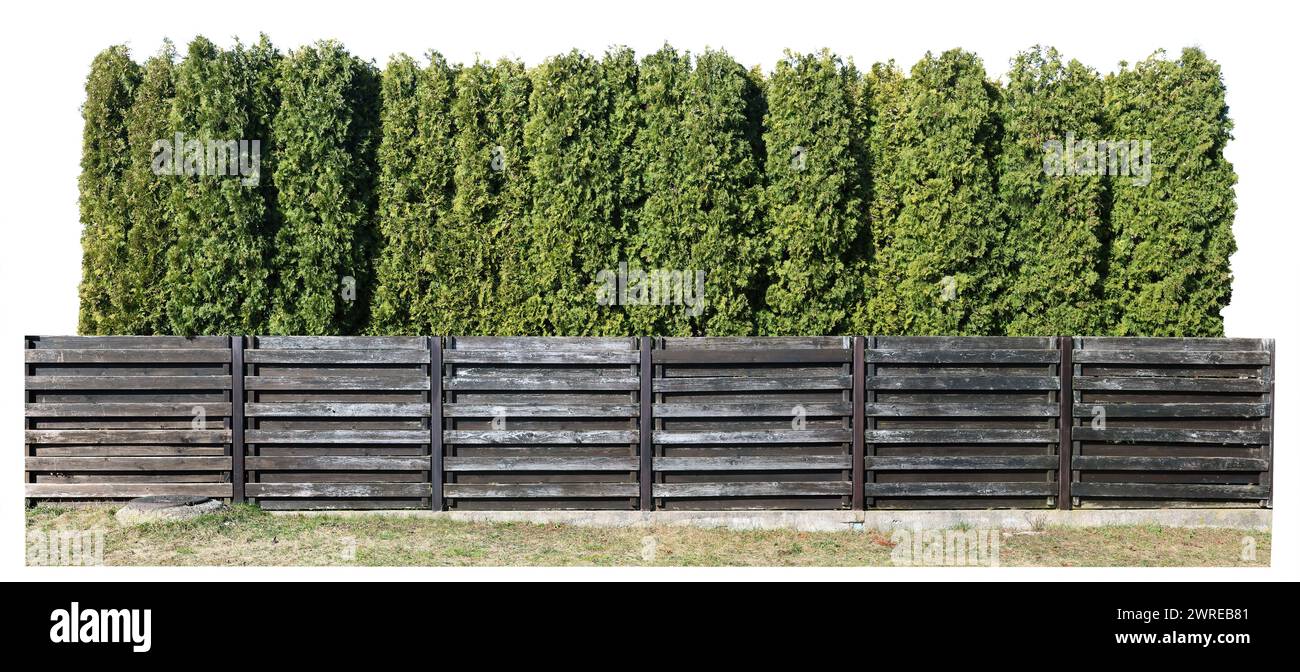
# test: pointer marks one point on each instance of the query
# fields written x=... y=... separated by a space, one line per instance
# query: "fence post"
x=859 y=420
x=435 y=423
x=646 y=372
x=1272 y=413
x=1065 y=420
x=237 y=477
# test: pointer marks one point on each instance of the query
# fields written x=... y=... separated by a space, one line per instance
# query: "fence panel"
x=116 y=417
x=753 y=423
x=1172 y=422
x=962 y=422
x=541 y=423
x=337 y=422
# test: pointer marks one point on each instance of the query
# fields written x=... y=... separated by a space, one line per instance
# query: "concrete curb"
x=824 y=521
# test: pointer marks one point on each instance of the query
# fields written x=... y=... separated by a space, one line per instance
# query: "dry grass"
x=245 y=535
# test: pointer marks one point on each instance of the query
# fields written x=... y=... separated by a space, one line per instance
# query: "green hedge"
x=500 y=199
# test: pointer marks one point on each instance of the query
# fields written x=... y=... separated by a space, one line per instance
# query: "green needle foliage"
x=815 y=198
x=217 y=279
x=491 y=195
x=1053 y=246
x=415 y=263
x=1168 y=272
x=327 y=134
x=697 y=157
x=500 y=199
x=574 y=231
x=937 y=223
x=105 y=160
x=149 y=198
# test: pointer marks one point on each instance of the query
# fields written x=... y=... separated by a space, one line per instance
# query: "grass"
x=246 y=536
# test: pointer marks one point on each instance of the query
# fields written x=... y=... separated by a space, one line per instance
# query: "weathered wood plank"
x=926 y=489
x=337 y=409
x=126 y=410
x=1173 y=410
x=754 y=436
x=962 y=409
x=1168 y=491
x=128 y=356
x=126 y=342
x=1116 y=463
x=539 y=490
x=336 y=356
x=338 y=489
x=127 y=436
x=537 y=436
x=541 y=410
x=1171 y=384
x=539 y=343
x=1183 y=357
x=524 y=357
x=750 y=410
x=672 y=343
x=751 y=384
x=340 y=343
x=1163 y=435
x=1165 y=343
x=128 y=463
x=402 y=381
x=533 y=382
x=963 y=462
x=119 y=383
x=755 y=489
x=983 y=435
x=966 y=356
x=124 y=490
x=527 y=464
x=963 y=342
x=326 y=436
x=754 y=356
x=336 y=463
x=972 y=383
x=754 y=463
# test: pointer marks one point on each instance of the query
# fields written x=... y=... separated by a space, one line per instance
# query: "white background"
x=48 y=47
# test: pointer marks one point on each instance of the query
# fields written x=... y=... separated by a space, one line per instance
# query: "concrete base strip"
x=822 y=521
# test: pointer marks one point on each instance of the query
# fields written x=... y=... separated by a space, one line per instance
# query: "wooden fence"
x=879 y=422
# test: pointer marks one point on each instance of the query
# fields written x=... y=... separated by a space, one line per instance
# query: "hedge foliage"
x=495 y=198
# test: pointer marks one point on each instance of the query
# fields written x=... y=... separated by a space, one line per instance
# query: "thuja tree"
x=148 y=196
x=491 y=199
x=1171 y=219
x=936 y=221
x=415 y=188
x=1055 y=224
x=815 y=198
x=105 y=160
x=326 y=134
x=696 y=154
x=574 y=231
x=217 y=277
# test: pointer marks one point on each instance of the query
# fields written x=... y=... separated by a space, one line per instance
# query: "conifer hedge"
x=326 y=135
x=105 y=159
x=1053 y=243
x=500 y=199
x=1168 y=272
x=218 y=280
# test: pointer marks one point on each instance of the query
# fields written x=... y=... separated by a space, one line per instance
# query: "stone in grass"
x=165 y=507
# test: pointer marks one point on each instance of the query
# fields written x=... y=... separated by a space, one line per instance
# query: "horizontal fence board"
x=755 y=463
x=1158 y=384
x=128 y=356
x=126 y=436
x=923 y=489
x=528 y=436
x=1169 y=491
x=336 y=436
x=1189 y=464
x=959 y=462
x=1161 y=435
x=963 y=409
x=335 y=463
x=528 y=464
x=124 y=490
x=751 y=410
x=754 y=489
x=340 y=343
x=120 y=410
x=338 y=489
x=336 y=382
x=754 y=356
x=946 y=356
x=758 y=436
x=541 y=410
x=119 y=383
x=337 y=409
x=961 y=435
x=534 y=357
x=979 y=383
x=1182 y=357
x=128 y=463
x=547 y=490
x=336 y=356
x=1173 y=410
x=738 y=384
